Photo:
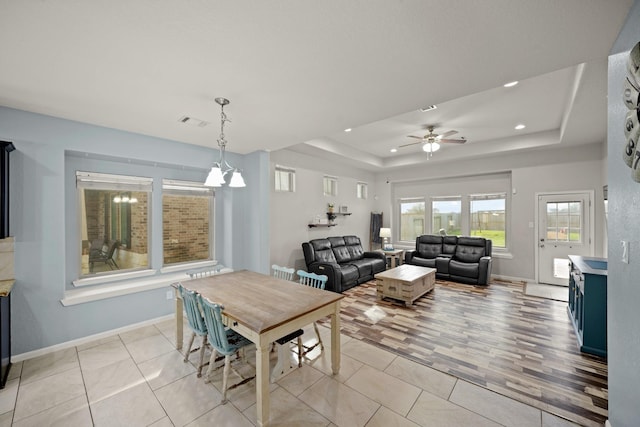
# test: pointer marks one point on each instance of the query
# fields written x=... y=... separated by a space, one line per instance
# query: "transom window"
x=330 y=184
x=285 y=179
x=361 y=190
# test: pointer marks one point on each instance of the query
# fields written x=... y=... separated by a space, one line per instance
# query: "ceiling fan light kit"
x=431 y=141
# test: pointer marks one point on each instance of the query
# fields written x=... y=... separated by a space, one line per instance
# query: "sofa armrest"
x=375 y=254
x=408 y=256
x=332 y=271
x=484 y=270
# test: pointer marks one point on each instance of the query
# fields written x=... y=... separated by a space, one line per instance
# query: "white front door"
x=564 y=224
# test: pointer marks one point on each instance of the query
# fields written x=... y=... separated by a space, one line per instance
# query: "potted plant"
x=330 y=207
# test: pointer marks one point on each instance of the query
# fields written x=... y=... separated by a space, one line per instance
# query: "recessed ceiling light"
x=394 y=150
x=192 y=121
x=429 y=108
x=347 y=130
x=520 y=126
x=511 y=84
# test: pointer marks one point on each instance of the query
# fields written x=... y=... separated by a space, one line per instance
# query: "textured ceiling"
x=299 y=72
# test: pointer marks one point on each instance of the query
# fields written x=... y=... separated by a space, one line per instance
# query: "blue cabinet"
x=588 y=303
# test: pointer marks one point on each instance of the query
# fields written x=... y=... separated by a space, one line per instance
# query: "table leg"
x=178 y=321
x=262 y=383
x=335 y=339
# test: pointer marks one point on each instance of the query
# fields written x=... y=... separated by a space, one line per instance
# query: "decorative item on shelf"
x=385 y=233
x=344 y=210
x=330 y=207
x=222 y=167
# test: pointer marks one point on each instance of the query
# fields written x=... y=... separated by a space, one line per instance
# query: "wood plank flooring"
x=520 y=346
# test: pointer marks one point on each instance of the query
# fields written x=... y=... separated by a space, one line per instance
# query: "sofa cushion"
x=464 y=269
x=449 y=244
x=322 y=250
x=470 y=249
x=429 y=246
x=424 y=262
x=354 y=247
x=349 y=273
x=364 y=266
x=340 y=250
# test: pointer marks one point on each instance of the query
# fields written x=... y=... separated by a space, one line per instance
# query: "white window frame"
x=113 y=182
x=494 y=196
x=330 y=185
x=362 y=189
x=287 y=176
x=454 y=198
x=424 y=219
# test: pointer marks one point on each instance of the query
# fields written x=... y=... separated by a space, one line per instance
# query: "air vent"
x=429 y=108
x=192 y=121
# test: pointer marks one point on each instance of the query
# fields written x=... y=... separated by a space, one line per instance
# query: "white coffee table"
x=406 y=283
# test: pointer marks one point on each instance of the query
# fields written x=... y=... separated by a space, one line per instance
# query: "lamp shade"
x=385 y=232
x=214 y=179
x=237 y=180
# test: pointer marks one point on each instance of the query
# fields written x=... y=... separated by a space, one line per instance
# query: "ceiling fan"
x=431 y=141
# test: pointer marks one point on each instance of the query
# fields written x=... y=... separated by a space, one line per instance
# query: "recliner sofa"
x=461 y=259
x=343 y=260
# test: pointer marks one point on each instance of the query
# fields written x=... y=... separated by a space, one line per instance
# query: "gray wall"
x=291 y=212
x=623 y=297
x=39 y=212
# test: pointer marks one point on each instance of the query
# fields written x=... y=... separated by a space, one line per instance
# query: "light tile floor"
x=138 y=379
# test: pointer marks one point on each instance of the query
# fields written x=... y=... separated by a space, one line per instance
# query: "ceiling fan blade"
x=446 y=134
x=411 y=143
x=454 y=141
x=416 y=137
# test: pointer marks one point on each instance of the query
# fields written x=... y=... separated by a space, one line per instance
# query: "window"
x=285 y=179
x=488 y=217
x=114 y=215
x=412 y=215
x=446 y=214
x=330 y=185
x=361 y=190
x=187 y=225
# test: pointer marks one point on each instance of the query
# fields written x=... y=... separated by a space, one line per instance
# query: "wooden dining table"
x=264 y=309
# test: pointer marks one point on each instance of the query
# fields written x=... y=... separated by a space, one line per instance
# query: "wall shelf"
x=321 y=225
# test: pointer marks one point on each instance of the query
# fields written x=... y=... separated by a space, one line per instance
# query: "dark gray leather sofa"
x=461 y=259
x=343 y=260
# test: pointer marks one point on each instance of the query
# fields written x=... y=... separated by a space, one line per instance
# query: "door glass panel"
x=564 y=221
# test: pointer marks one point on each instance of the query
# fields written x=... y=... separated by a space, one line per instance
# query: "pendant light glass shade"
x=430 y=147
x=215 y=178
x=237 y=180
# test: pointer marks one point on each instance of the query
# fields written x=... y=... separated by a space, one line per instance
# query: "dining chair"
x=317 y=281
x=205 y=271
x=283 y=365
x=196 y=323
x=225 y=341
x=282 y=272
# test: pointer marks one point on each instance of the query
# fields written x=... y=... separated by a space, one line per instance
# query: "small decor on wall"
x=631 y=98
x=344 y=209
x=330 y=207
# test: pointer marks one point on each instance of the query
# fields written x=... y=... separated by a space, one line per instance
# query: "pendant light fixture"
x=220 y=169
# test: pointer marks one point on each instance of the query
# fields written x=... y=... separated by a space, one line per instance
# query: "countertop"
x=589 y=265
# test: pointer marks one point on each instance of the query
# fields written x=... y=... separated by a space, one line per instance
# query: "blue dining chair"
x=282 y=272
x=224 y=341
x=283 y=365
x=196 y=323
x=205 y=271
x=317 y=281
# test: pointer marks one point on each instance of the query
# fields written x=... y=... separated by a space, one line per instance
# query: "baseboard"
x=511 y=278
x=68 y=344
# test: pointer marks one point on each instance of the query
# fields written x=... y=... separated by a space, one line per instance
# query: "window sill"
x=81 y=296
x=188 y=266
x=117 y=277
